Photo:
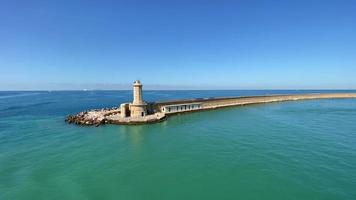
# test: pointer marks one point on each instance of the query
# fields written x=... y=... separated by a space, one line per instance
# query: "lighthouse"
x=137 y=93
x=138 y=106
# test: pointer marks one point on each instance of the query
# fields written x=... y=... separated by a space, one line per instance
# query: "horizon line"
x=88 y=90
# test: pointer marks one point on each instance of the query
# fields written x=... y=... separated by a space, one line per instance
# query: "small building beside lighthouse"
x=138 y=108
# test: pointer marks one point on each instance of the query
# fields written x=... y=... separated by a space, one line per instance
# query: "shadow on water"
x=135 y=134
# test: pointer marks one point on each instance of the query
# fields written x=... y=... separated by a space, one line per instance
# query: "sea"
x=286 y=150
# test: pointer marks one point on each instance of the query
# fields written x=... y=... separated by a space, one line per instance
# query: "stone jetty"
x=99 y=117
x=140 y=112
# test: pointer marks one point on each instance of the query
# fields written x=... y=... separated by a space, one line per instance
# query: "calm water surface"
x=289 y=150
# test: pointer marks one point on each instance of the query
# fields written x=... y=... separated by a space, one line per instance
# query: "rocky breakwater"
x=95 y=117
x=111 y=116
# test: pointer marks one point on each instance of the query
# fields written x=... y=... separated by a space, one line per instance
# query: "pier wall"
x=180 y=106
x=158 y=111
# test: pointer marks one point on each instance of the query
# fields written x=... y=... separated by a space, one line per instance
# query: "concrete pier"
x=159 y=111
x=172 y=107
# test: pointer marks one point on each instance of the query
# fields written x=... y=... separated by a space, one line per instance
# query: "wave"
x=26 y=106
x=12 y=95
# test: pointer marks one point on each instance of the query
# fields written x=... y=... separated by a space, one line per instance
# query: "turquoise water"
x=289 y=150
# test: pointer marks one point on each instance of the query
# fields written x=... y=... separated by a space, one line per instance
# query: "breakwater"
x=159 y=111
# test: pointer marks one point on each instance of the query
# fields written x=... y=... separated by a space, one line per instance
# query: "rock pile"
x=95 y=117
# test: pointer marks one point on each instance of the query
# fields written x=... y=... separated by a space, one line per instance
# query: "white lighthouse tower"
x=138 y=106
x=137 y=93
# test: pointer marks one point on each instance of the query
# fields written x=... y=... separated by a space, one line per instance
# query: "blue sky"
x=178 y=44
